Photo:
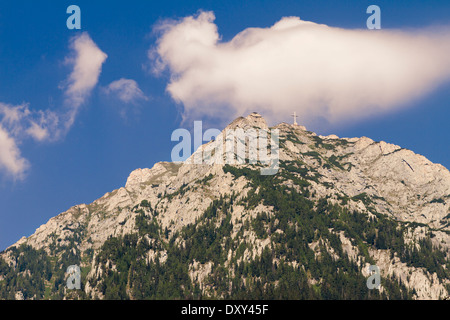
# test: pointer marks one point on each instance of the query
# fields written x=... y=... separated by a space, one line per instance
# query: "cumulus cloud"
x=87 y=60
x=127 y=90
x=321 y=72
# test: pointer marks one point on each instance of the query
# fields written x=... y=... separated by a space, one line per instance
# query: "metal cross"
x=295 y=118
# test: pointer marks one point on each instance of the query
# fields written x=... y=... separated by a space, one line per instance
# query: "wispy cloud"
x=19 y=122
x=87 y=60
x=22 y=122
x=127 y=90
x=319 y=71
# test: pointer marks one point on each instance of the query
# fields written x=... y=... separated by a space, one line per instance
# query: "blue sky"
x=110 y=138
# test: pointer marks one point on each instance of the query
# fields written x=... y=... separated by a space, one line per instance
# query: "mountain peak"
x=353 y=200
x=253 y=120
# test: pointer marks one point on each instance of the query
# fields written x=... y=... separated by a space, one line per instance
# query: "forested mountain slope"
x=224 y=231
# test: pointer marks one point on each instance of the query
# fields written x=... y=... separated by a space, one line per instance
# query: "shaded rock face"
x=355 y=174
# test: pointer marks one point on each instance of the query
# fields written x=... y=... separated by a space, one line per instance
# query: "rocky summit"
x=223 y=231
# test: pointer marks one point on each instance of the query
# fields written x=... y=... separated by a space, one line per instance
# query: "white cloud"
x=11 y=160
x=127 y=90
x=13 y=114
x=87 y=61
x=38 y=132
x=18 y=122
x=317 y=70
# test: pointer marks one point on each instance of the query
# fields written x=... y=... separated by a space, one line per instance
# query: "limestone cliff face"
x=355 y=173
